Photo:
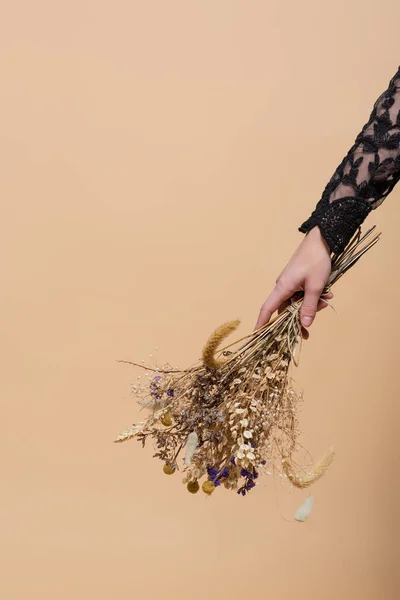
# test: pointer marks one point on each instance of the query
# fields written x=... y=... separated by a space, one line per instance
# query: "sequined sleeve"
x=367 y=174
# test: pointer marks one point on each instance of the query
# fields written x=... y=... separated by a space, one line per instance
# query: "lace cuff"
x=338 y=221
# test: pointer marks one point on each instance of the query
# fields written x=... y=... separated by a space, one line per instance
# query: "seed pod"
x=166 y=419
x=193 y=487
x=168 y=470
x=208 y=487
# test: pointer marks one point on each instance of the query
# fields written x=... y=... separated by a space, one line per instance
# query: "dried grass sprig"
x=234 y=413
x=317 y=471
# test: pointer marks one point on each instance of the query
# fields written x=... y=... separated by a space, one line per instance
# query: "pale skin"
x=308 y=270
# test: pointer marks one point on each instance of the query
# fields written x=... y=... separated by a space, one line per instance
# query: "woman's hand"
x=308 y=270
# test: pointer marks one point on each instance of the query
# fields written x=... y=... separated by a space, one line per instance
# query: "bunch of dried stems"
x=233 y=415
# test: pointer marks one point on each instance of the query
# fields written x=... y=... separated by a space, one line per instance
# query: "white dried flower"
x=304 y=511
x=191 y=446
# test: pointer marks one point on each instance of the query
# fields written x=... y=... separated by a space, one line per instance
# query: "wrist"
x=316 y=236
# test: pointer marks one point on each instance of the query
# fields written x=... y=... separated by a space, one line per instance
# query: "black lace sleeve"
x=367 y=174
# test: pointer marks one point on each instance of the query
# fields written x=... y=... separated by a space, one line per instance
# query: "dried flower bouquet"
x=232 y=415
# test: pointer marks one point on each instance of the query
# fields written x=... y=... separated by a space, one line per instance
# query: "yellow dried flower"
x=208 y=487
x=193 y=487
x=166 y=419
x=168 y=470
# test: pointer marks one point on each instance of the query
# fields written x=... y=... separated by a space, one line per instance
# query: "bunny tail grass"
x=214 y=341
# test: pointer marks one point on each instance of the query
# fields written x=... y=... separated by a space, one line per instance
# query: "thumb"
x=309 y=307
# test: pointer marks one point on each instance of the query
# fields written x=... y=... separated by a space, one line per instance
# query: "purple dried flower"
x=212 y=473
x=246 y=473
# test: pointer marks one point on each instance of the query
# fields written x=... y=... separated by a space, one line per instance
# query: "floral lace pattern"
x=367 y=174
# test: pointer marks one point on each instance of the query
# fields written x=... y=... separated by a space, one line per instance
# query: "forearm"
x=365 y=177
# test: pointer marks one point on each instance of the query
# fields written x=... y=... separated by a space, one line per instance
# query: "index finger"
x=271 y=304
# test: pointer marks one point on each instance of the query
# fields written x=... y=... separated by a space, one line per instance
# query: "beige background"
x=157 y=158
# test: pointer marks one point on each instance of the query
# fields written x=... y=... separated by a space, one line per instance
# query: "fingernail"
x=307 y=321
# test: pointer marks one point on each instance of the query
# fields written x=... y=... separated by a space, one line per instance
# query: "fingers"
x=304 y=333
x=273 y=302
x=328 y=295
x=312 y=295
x=322 y=303
x=282 y=307
x=279 y=299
